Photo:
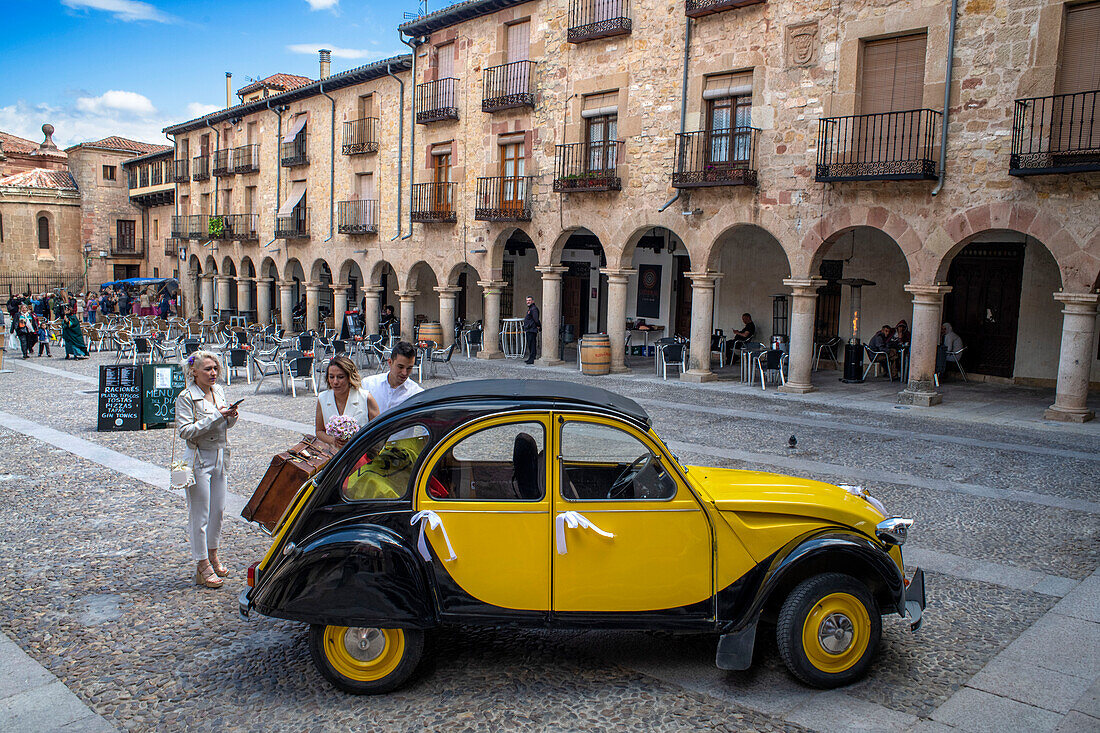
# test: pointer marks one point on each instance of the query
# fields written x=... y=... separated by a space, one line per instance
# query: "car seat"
x=525 y=467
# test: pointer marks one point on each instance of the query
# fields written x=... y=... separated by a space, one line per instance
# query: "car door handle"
x=434 y=521
x=573 y=520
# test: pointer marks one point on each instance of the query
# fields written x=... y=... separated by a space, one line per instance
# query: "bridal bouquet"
x=342 y=427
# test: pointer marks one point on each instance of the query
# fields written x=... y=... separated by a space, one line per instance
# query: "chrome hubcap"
x=836 y=633
x=364 y=644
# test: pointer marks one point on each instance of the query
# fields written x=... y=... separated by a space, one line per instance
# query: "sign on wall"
x=649 y=291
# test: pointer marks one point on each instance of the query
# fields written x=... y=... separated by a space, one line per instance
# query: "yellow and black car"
x=550 y=504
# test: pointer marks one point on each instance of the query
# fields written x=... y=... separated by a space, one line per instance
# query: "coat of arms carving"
x=802 y=44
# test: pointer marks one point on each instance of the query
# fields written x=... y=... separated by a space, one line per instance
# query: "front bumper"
x=245 y=605
x=914 y=600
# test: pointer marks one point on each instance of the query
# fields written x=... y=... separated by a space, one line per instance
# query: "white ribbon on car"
x=573 y=520
x=434 y=521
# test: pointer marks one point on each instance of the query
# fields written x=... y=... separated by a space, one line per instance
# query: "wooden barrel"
x=595 y=354
x=431 y=331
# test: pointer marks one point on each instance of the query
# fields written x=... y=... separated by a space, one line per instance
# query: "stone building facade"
x=150 y=186
x=685 y=163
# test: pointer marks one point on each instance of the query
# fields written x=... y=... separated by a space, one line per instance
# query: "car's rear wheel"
x=828 y=629
x=365 y=660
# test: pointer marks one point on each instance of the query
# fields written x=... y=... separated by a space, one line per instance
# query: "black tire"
x=395 y=660
x=822 y=603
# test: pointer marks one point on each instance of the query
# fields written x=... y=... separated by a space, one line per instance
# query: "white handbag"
x=181 y=475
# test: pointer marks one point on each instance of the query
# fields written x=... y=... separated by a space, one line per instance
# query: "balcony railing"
x=588 y=167
x=504 y=198
x=173 y=245
x=132 y=179
x=592 y=19
x=180 y=228
x=127 y=247
x=699 y=8
x=158 y=174
x=246 y=159
x=179 y=171
x=143 y=177
x=200 y=168
x=433 y=202
x=437 y=100
x=223 y=162
x=1058 y=134
x=358 y=217
x=725 y=157
x=295 y=152
x=294 y=226
x=360 y=136
x=508 y=86
x=198 y=226
x=240 y=227
x=889 y=146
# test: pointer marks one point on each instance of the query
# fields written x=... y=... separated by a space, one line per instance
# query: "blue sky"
x=93 y=68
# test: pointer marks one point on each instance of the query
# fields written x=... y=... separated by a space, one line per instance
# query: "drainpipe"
x=278 y=162
x=683 y=102
x=947 y=94
x=400 y=143
x=413 y=44
x=217 y=147
x=332 y=163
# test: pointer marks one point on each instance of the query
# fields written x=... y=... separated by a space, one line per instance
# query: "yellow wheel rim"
x=364 y=654
x=836 y=632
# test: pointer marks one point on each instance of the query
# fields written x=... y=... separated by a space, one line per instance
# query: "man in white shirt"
x=393 y=387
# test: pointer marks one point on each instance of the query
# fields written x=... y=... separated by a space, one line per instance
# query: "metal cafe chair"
x=771 y=364
x=831 y=348
x=658 y=345
x=472 y=340
x=443 y=356
x=671 y=355
x=267 y=363
x=954 y=357
x=235 y=358
x=718 y=346
x=874 y=356
x=298 y=367
x=424 y=351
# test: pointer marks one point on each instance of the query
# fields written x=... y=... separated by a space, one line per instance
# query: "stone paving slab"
x=836 y=711
x=975 y=711
x=47 y=707
x=1044 y=688
x=1060 y=643
x=1083 y=602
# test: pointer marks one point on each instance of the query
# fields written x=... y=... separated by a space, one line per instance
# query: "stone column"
x=191 y=295
x=263 y=300
x=244 y=294
x=616 y=316
x=927 y=317
x=550 y=311
x=313 y=301
x=801 y=346
x=339 y=305
x=490 y=342
x=286 y=305
x=702 y=326
x=225 y=282
x=373 y=295
x=407 y=300
x=1075 y=359
x=206 y=296
x=448 y=294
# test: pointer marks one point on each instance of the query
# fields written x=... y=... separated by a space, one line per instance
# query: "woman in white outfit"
x=202 y=417
x=344 y=396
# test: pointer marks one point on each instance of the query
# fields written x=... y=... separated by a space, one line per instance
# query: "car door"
x=629 y=536
x=484 y=489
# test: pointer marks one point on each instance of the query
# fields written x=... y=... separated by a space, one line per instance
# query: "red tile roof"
x=13 y=144
x=279 y=82
x=121 y=143
x=40 y=178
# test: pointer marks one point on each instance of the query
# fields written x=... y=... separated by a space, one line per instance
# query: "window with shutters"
x=43 y=233
x=729 y=104
x=512 y=183
x=441 y=176
x=601 y=116
x=1076 y=116
x=891 y=127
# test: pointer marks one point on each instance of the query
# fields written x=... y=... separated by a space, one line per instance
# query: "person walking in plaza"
x=532 y=324
x=44 y=337
x=393 y=386
x=345 y=396
x=26 y=327
x=74 y=339
x=203 y=418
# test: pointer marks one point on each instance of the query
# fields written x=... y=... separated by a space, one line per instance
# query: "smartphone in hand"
x=234 y=405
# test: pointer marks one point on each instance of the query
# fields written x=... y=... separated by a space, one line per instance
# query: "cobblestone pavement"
x=96 y=584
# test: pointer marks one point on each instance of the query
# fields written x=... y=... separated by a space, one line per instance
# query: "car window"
x=384 y=469
x=604 y=462
x=499 y=463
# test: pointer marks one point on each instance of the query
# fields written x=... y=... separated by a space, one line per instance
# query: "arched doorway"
x=246 y=290
x=227 y=294
x=469 y=301
x=659 y=295
x=583 y=287
x=425 y=306
x=519 y=275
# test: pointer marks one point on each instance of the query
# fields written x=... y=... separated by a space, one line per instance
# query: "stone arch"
x=210 y=266
x=713 y=253
x=293 y=270
x=495 y=255
x=348 y=268
x=714 y=227
x=422 y=279
x=268 y=268
x=319 y=266
x=413 y=278
x=378 y=269
x=563 y=239
x=844 y=220
x=194 y=265
x=753 y=264
x=630 y=232
x=469 y=303
x=229 y=269
x=247 y=269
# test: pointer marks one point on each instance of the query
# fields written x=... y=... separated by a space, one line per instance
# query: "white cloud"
x=198 y=109
x=337 y=52
x=117 y=101
x=73 y=124
x=126 y=10
x=322 y=4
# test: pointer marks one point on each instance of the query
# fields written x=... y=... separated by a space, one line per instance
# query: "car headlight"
x=866 y=496
x=893 y=531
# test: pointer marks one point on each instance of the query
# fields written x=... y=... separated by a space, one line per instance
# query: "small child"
x=43 y=341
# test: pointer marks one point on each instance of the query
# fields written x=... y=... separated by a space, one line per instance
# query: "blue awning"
x=141 y=281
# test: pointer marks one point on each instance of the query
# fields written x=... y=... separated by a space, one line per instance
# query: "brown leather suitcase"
x=286 y=474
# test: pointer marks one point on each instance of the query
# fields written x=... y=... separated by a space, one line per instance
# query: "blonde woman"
x=203 y=417
x=344 y=396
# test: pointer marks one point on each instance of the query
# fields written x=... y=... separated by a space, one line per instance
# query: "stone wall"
x=20 y=209
x=103 y=203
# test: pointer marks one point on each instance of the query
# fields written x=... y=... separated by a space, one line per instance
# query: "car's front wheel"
x=828 y=630
x=365 y=660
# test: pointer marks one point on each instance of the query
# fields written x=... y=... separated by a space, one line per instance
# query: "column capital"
x=407 y=296
x=286 y=284
x=339 y=287
x=225 y=278
x=247 y=279
x=932 y=293
x=370 y=290
x=804 y=286
x=703 y=279
x=617 y=275
x=447 y=291
x=492 y=286
x=552 y=272
x=314 y=287
x=1083 y=303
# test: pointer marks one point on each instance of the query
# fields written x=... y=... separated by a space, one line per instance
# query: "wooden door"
x=827 y=313
x=441 y=174
x=126 y=230
x=984 y=305
x=574 y=297
x=511 y=176
x=683 y=298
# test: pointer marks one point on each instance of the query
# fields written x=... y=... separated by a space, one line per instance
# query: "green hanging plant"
x=217 y=227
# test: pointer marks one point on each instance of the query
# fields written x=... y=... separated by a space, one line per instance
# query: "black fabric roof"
x=531 y=389
x=453 y=14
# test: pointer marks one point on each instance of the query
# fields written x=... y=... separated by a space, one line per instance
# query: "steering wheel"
x=622 y=484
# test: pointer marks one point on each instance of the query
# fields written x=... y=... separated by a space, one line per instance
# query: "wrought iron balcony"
x=240 y=227
x=360 y=136
x=246 y=159
x=198 y=226
x=889 y=146
x=504 y=198
x=294 y=226
x=699 y=8
x=433 y=202
x=180 y=227
x=725 y=157
x=173 y=245
x=358 y=217
x=508 y=86
x=127 y=247
x=179 y=171
x=593 y=19
x=223 y=162
x=200 y=168
x=436 y=100
x=588 y=167
x=295 y=152
x=1057 y=134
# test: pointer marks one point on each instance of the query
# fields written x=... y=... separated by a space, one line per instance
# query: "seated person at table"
x=901 y=334
x=746 y=334
x=882 y=341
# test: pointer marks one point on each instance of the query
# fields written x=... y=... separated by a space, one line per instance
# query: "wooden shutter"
x=445 y=61
x=366 y=106
x=519 y=41
x=366 y=187
x=1080 y=68
x=893 y=74
x=728 y=85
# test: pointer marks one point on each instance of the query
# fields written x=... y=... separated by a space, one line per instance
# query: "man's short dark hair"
x=747 y=315
x=403 y=348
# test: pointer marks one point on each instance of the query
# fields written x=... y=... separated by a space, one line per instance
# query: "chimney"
x=326 y=60
x=228 y=85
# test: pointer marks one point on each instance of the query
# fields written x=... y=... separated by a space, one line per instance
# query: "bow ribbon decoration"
x=573 y=520
x=433 y=520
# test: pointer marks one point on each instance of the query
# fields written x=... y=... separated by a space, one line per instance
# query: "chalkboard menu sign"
x=119 y=397
x=161 y=384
